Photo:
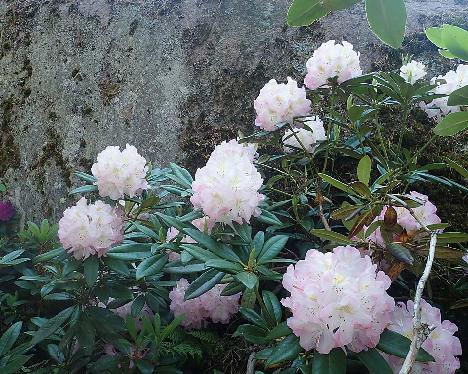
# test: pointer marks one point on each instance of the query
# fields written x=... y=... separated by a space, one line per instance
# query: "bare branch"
x=251 y=364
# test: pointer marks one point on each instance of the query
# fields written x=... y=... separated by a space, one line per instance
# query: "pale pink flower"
x=87 y=230
x=440 y=343
x=119 y=173
x=426 y=213
x=337 y=300
x=210 y=306
x=332 y=60
x=226 y=189
x=446 y=84
x=309 y=136
x=279 y=102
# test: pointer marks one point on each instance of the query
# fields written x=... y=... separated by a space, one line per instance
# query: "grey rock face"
x=172 y=77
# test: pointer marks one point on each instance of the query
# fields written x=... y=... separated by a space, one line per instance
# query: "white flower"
x=120 y=173
x=279 y=102
x=332 y=60
x=226 y=189
x=312 y=133
x=413 y=71
x=446 y=84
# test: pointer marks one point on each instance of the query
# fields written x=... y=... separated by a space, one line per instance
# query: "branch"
x=251 y=364
x=419 y=330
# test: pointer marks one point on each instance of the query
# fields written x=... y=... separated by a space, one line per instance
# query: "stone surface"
x=171 y=77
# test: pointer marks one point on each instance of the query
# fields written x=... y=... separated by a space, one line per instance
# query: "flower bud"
x=390 y=217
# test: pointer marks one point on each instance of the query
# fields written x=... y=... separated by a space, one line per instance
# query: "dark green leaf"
x=9 y=338
x=401 y=253
x=249 y=279
x=91 y=270
x=331 y=235
x=332 y=363
x=287 y=350
x=398 y=345
x=130 y=251
x=251 y=333
x=253 y=317
x=272 y=248
x=203 y=283
x=151 y=266
x=336 y=183
x=51 y=326
x=459 y=97
x=374 y=362
x=272 y=304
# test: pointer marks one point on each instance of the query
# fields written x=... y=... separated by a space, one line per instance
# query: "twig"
x=251 y=364
x=419 y=330
x=322 y=216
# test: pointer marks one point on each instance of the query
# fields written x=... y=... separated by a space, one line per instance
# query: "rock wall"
x=172 y=77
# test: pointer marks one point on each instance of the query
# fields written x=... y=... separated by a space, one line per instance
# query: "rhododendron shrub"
x=299 y=245
x=338 y=299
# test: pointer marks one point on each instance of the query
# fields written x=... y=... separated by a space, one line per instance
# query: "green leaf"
x=279 y=331
x=452 y=237
x=201 y=238
x=184 y=177
x=452 y=124
x=268 y=218
x=272 y=248
x=85 y=177
x=457 y=167
x=199 y=253
x=253 y=317
x=401 y=253
x=151 y=266
x=458 y=97
x=171 y=221
x=51 y=326
x=305 y=12
x=54 y=253
x=364 y=170
x=332 y=363
x=91 y=270
x=332 y=236
x=224 y=265
x=374 y=362
x=83 y=189
x=336 y=183
x=387 y=20
x=249 y=279
x=434 y=34
x=203 y=283
x=130 y=251
x=9 y=338
x=398 y=345
x=118 y=266
x=272 y=304
x=456 y=41
x=174 y=268
x=361 y=189
x=251 y=333
x=15 y=363
x=287 y=350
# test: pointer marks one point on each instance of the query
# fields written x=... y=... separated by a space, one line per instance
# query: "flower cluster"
x=203 y=224
x=440 y=343
x=332 y=60
x=413 y=71
x=280 y=102
x=308 y=136
x=426 y=214
x=87 y=230
x=7 y=210
x=226 y=189
x=119 y=173
x=209 y=306
x=337 y=300
x=446 y=84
